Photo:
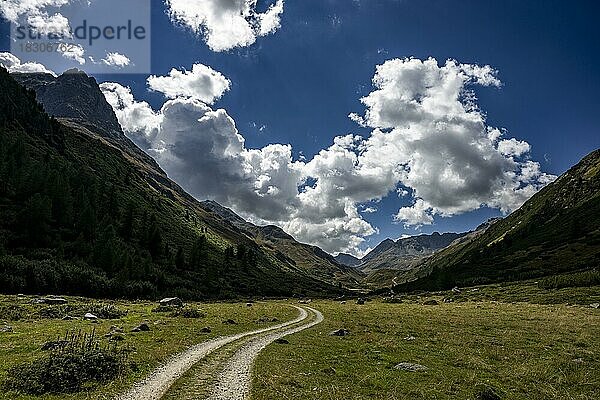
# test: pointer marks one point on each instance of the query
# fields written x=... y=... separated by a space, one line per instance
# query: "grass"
x=168 y=335
x=472 y=348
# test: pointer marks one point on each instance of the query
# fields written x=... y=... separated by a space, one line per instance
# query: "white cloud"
x=45 y=24
x=428 y=141
x=202 y=83
x=369 y=210
x=73 y=52
x=12 y=10
x=13 y=64
x=116 y=60
x=225 y=25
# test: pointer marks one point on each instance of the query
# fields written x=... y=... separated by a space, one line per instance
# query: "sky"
x=350 y=121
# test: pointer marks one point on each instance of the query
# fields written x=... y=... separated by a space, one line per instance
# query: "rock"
x=69 y=318
x=343 y=302
x=6 y=329
x=143 y=327
x=206 y=329
x=484 y=392
x=360 y=301
x=171 y=301
x=456 y=290
x=90 y=317
x=405 y=366
x=578 y=361
x=116 y=337
x=229 y=322
x=248 y=304
x=274 y=320
x=54 y=300
x=329 y=371
x=595 y=305
x=410 y=338
x=448 y=300
x=54 y=345
x=282 y=341
x=340 y=332
x=430 y=302
x=306 y=301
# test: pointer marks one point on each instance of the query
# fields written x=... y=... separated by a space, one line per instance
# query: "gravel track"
x=234 y=382
x=160 y=380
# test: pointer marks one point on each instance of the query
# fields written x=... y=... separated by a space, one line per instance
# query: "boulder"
x=360 y=301
x=54 y=300
x=456 y=290
x=411 y=367
x=206 y=329
x=69 y=318
x=430 y=302
x=143 y=327
x=248 y=304
x=90 y=317
x=171 y=302
x=229 y=322
x=410 y=338
x=595 y=305
x=6 y=329
x=282 y=341
x=340 y=332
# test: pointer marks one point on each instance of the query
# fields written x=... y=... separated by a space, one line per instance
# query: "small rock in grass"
x=69 y=318
x=248 y=304
x=171 y=301
x=360 y=301
x=206 y=329
x=411 y=367
x=282 y=341
x=229 y=322
x=340 y=332
x=90 y=317
x=430 y=302
x=6 y=329
x=456 y=290
x=274 y=320
x=484 y=392
x=329 y=371
x=116 y=337
x=410 y=338
x=343 y=302
x=448 y=300
x=595 y=305
x=54 y=300
x=141 y=328
x=578 y=361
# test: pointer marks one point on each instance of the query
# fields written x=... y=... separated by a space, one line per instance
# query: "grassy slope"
x=168 y=336
x=522 y=350
x=556 y=231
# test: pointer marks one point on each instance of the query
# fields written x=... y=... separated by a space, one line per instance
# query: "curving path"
x=158 y=382
x=234 y=381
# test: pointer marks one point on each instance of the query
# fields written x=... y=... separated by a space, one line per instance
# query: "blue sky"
x=300 y=83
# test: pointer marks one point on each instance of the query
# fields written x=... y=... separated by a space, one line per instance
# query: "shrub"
x=80 y=363
x=106 y=311
x=13 y=312
x=578 y=279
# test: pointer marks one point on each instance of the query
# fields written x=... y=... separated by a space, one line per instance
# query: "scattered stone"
x=282 y=341
x=410 y=338
x=329 y=371
x=595 y=305
x=206 y=329
x=486 y=393
x=54 y=345
x=360 y=301
x=343 y=302
x=171 y=301
x=54 y=300
x=404 y=366
x=578 y=361
x=229 y=322
x=274 y=320
x=448 y=300
x=6 y=329
x=90 y=317
x=456 y=290
x=20 y=295
x=306 y=301
x=248 y=304
x=340 y=332
x=69 y=318
x=141 y=328
x=430 y=302
x=474 y=290
x=38 y=301
x=116 y=337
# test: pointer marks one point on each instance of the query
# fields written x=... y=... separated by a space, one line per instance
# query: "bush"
x=78 y=364
x=13 y=312
x=188 y=312
x=106 y=311
x=578 y=279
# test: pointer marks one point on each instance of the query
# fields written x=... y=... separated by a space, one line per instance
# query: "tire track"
x=160 y=380
x=235 y=379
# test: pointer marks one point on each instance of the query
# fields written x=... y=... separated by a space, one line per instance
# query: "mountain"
x=347 y=260
x=84 y=212
x=556 y=231
x=276 y=241
x=405 y=253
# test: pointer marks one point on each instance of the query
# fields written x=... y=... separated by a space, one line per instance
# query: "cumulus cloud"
x=116 y=60
x=73 y=52
x=45 y=24
x=12 y=10
x=429 y=143
x=225 y=25
x=202 y=83
x=14 y=64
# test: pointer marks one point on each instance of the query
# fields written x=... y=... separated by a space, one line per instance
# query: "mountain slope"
x=405 y=253
x=556 y=231
x=83 y=213
x=348 y=260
